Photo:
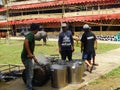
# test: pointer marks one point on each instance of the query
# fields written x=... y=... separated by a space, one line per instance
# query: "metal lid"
x=59 y=67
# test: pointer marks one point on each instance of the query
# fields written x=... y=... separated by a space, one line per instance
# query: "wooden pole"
x=7 y=15
x=100 y=20
x=63 y=11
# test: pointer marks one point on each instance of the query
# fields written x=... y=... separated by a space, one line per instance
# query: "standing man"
x=65 y=43
x=87 y=46
x=27 y=54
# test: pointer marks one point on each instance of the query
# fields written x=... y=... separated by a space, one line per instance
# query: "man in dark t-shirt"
x=65 y=43
x=87 y=46
x=27 y=55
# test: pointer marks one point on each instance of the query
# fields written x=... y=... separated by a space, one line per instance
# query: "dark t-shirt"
x=65 y=40
x=30 y=37
x=88 y=39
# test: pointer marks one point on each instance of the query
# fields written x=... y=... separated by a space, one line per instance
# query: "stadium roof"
x=60 y=3
x=2 y=9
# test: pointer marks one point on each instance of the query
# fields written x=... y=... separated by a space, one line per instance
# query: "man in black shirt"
x=65 y=43
x=87 y=46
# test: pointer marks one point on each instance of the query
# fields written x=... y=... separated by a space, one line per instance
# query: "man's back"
x=88 y=39
x=30 y=38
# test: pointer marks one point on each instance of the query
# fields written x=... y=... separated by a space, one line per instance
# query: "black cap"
x=34 y=26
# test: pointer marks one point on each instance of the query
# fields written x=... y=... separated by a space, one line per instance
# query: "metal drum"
x=40 y=77
x=41 y=73
x=75 y=71
x=58 y=75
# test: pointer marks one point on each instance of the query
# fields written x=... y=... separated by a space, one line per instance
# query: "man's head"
x=64 y=26
x=34 y=27
x=86 y=27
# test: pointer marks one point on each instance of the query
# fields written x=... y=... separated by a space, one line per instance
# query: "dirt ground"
x=103 y=84
x=100 y=84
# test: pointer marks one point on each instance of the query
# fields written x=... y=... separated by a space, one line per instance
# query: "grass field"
x=10 y=53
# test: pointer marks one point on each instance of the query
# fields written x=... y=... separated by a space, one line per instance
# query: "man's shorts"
x=86 y=56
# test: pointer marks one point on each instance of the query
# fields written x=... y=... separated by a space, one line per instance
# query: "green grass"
x=114 y=73
x=102 y=48
x=10 y=53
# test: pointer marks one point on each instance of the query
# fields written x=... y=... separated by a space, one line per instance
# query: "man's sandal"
x=95 y=64
x=91 y=68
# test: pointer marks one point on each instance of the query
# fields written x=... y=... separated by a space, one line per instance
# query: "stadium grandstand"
x=102 y=15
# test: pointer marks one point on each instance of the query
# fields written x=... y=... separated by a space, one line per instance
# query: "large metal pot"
x=58 y=76
x=75 y=71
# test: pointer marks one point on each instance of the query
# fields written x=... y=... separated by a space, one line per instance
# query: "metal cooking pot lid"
x=79 y=62
x=56 y=66
x=74 y=64
x=42 y=59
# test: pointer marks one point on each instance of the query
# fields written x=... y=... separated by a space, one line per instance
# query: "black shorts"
x=86 y=56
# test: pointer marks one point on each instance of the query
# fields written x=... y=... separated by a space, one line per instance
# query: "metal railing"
x=57 y=15
x=68 y=14
x=10 y=67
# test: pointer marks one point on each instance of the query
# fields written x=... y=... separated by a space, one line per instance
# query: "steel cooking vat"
x=58 y=76
x=75 y=71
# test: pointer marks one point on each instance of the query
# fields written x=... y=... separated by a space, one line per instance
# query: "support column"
x=100 y=20
x=100 y=29
x=63 y=11
x=7 y=15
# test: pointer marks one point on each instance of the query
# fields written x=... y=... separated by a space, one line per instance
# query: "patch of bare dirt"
x=16 y=84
